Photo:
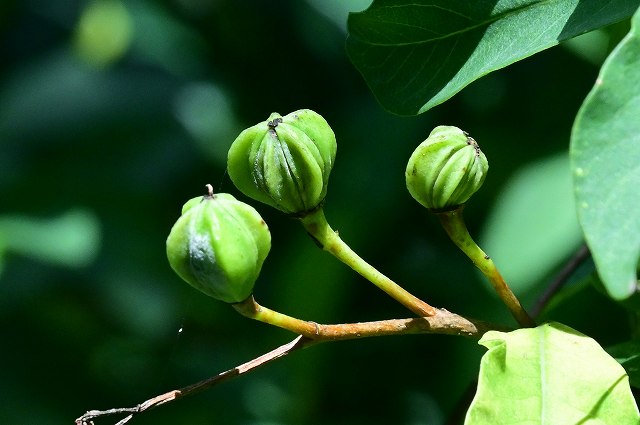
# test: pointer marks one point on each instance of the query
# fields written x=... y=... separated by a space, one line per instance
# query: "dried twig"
x=443 y=322
x=298 y=343
x=561 y=279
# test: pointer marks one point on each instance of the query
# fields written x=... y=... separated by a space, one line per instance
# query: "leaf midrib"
x=487 y=23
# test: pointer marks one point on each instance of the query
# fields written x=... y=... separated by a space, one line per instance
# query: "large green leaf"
x=550 y=375
x=605 y=153
x=415 y=55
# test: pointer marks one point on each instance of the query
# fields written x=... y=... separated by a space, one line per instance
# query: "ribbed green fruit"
x=285 y=161
x=446 y=169
x=218 y=246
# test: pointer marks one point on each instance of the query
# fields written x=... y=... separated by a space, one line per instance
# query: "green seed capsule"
x=218 y=246
x=285 y=161
x=446 y=169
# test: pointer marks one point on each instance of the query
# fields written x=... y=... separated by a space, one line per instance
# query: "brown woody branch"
x=443 y=322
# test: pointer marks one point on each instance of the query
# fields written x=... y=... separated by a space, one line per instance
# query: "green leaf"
x=104 y=32
x=628 y=355
x=414 y=55
x=605 y=154
x=550 y=375
x=533 y=222
x=71 y=240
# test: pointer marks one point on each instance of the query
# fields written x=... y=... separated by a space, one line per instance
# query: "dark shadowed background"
x=113 y=114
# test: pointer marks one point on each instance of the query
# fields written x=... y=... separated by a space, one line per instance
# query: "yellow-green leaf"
x=550 y=375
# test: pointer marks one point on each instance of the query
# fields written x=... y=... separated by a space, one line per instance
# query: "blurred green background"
x=113 y=114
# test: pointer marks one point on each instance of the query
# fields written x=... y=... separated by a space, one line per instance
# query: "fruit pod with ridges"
x=446 y=169
x=285 y=161
x=218 y=246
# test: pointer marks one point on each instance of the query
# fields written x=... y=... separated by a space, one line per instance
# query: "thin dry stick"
x=443 y=322
x=561 y=279
x=159 y=400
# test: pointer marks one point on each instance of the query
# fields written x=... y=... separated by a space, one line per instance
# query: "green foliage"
x=126 y=141
x=550 y=375
x=416 y=55
x=71 y=239
x=605 y=149
x=540 y=195
x=628 y=355
x=104 y=32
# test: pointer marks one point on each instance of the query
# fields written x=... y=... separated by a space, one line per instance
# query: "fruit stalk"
x=318 y=228
x=453 y=223
x=443 y=322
